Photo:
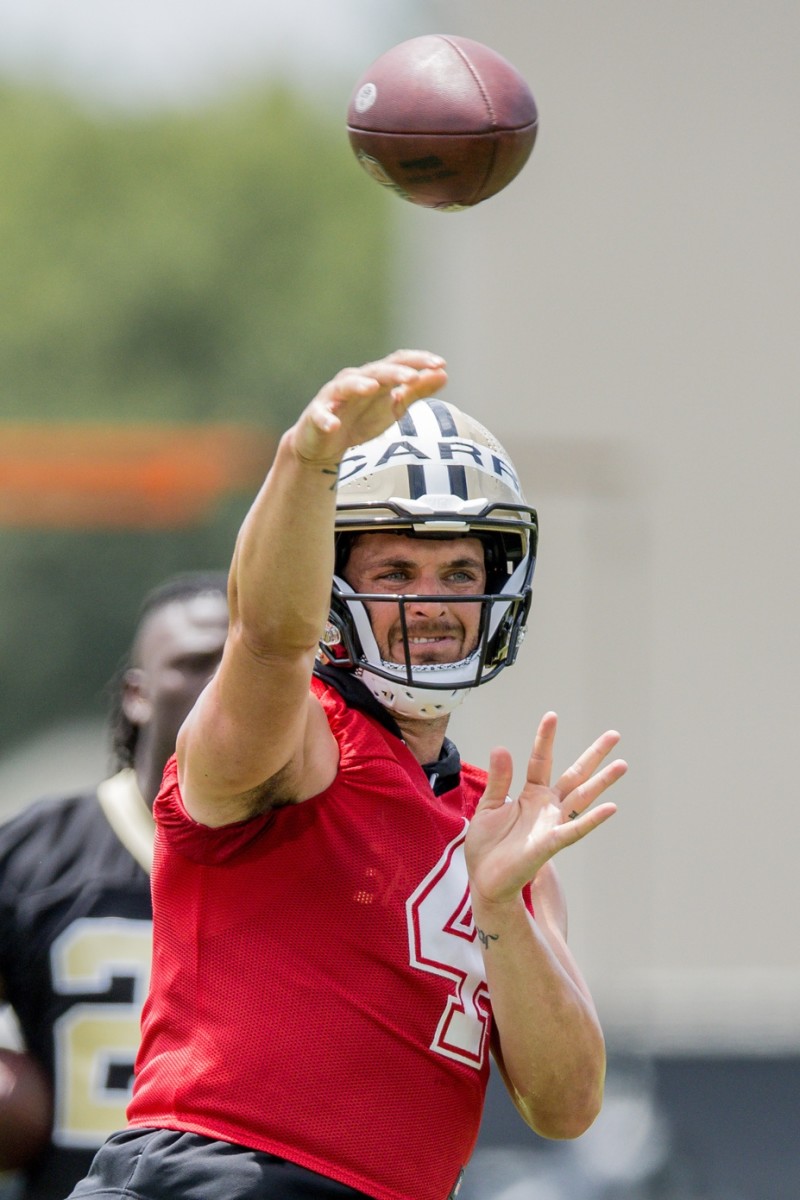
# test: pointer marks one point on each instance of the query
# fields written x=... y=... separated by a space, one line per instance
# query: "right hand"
x=359 y=403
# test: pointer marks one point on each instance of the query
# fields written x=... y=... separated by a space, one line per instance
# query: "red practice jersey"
x=318 y=989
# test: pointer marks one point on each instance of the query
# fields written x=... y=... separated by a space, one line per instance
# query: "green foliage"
x=213 y=264
x=206 y=265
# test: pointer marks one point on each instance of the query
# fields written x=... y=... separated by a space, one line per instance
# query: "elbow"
x=566 y=1125
x=563 y=1116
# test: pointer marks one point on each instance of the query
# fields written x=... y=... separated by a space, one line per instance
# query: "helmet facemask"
x=386 y=485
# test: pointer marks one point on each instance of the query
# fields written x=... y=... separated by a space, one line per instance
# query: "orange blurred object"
x=101 y=476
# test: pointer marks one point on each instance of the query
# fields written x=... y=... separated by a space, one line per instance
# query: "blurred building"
x=622 y=317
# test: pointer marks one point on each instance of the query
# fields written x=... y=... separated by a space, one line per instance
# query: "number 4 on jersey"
x=443 y=941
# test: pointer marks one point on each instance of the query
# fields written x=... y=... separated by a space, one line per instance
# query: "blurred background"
x=189 y=249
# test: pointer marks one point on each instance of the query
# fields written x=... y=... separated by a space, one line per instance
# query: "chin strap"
x=404 y=700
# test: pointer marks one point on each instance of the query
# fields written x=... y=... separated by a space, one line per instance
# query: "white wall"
x=624 y=318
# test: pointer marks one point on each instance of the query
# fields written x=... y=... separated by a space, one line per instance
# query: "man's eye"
x=198 y=664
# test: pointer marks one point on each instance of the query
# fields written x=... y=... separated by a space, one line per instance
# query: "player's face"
x=177 y=652
x=441 y=630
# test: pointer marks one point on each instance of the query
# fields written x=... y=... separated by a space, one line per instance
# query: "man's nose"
x=429 y=607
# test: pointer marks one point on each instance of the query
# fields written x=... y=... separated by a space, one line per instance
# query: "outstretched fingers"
x=577 y=802
x=587 y=764
x=361 y=402
x=540 y=763
x=577 y=789
x=420 y=360
x=395 y=382
x=498 y=779
x=405 y=372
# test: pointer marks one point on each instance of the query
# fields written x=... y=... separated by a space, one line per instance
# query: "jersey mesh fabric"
x=284 y=1014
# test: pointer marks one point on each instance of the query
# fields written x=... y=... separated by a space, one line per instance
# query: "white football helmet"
x=435 y=473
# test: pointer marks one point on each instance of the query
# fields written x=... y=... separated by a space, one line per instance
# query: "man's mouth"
x=430 y=647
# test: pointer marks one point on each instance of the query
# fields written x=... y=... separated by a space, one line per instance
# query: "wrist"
x=296 y=456
x=498 y=909
x=307 y=445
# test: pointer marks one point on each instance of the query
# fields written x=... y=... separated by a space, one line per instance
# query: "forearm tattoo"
x=485 y=938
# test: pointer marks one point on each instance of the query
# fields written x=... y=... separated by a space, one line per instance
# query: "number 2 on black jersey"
x=96 y=1039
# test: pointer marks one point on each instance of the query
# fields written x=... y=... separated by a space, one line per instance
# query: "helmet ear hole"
x=336 y=646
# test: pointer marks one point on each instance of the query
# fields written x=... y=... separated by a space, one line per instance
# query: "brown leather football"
x=443 y=121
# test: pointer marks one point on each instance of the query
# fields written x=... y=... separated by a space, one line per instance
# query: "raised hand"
x=509 y=840
x=361 y=402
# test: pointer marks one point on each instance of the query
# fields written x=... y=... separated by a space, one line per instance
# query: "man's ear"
x=135 y=703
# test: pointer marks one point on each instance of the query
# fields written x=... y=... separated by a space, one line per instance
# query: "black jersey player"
x=75 y=909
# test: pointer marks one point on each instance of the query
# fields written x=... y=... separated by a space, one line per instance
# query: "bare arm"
x=548 y=1041
x=257 y=734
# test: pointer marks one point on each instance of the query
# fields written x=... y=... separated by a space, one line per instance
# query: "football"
x=26 y=1109
x=443 y=121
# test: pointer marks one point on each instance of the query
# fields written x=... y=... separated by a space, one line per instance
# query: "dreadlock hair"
x=124 y=735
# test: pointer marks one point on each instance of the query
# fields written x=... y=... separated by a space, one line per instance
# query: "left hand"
x=509 y=840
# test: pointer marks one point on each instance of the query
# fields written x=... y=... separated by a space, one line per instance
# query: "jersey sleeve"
x=201 y=843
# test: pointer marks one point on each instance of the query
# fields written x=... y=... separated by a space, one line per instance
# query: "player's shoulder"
x=48 y=816
x=48 y=835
